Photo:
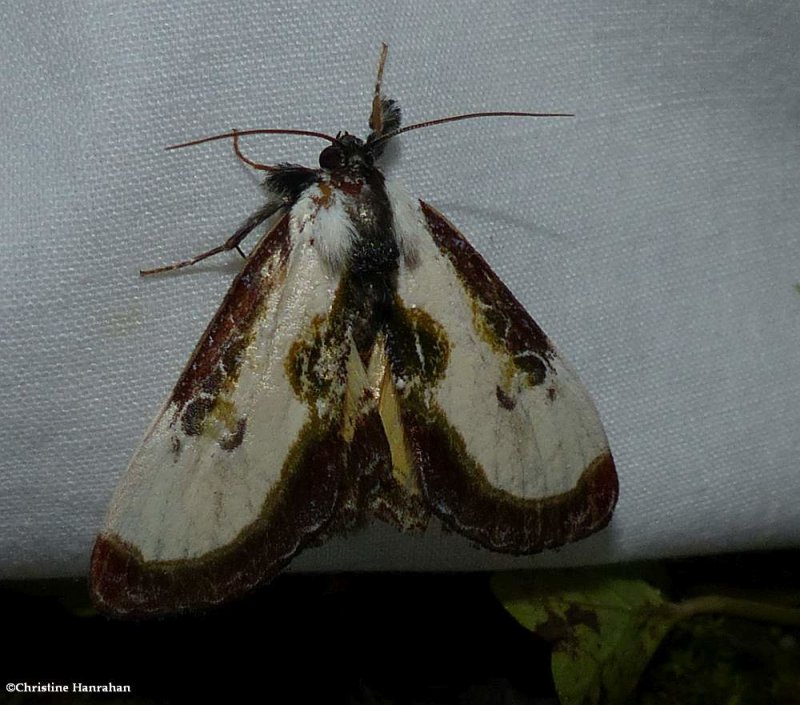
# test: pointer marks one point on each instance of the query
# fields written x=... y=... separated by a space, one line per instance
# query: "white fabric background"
x=655 y=236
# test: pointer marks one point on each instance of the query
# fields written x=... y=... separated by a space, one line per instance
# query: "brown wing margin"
x=454 y=487
x=300 y=507
x=463 y=499
x=296 y=509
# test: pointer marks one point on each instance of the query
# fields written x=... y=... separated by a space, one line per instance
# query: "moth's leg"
x=232 y=243
x=256 y=165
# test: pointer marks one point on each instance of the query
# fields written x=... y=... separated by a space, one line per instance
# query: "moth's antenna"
x=465 y=116
x=376 y=117
x=236 y=134
x=239 y=133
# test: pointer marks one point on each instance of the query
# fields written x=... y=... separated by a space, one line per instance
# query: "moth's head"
x=350 y=153
x=347 y=153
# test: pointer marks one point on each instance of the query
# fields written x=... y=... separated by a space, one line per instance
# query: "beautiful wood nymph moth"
x=366 y=362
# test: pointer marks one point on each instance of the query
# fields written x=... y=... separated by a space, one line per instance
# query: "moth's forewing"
x=240 y=469
x=508 y=446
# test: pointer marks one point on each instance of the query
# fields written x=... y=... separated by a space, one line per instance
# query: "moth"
x=365 y=363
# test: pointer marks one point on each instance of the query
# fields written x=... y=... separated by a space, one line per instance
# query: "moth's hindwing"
x=243 y=465
x=508 y=447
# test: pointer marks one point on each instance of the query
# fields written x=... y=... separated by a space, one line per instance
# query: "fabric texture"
x=654 y=236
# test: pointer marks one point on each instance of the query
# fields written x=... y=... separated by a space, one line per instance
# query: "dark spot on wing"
x=194 y=414
x=534 y=366
x=231 y=351
x=212 y=382
x=231 y=441
x=506 y=401
x=508 y=325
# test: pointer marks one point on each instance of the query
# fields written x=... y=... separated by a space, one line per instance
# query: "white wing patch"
x=532 y=441
x=185 y=494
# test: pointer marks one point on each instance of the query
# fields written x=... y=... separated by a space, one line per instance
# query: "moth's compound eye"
x=331 y=157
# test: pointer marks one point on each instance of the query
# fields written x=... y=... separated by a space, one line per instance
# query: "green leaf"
x=605 y=628
x=721 y=660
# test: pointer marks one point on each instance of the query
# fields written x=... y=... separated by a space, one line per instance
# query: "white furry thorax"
x=321 y=218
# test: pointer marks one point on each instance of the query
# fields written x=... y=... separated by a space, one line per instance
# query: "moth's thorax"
x=350 y=217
